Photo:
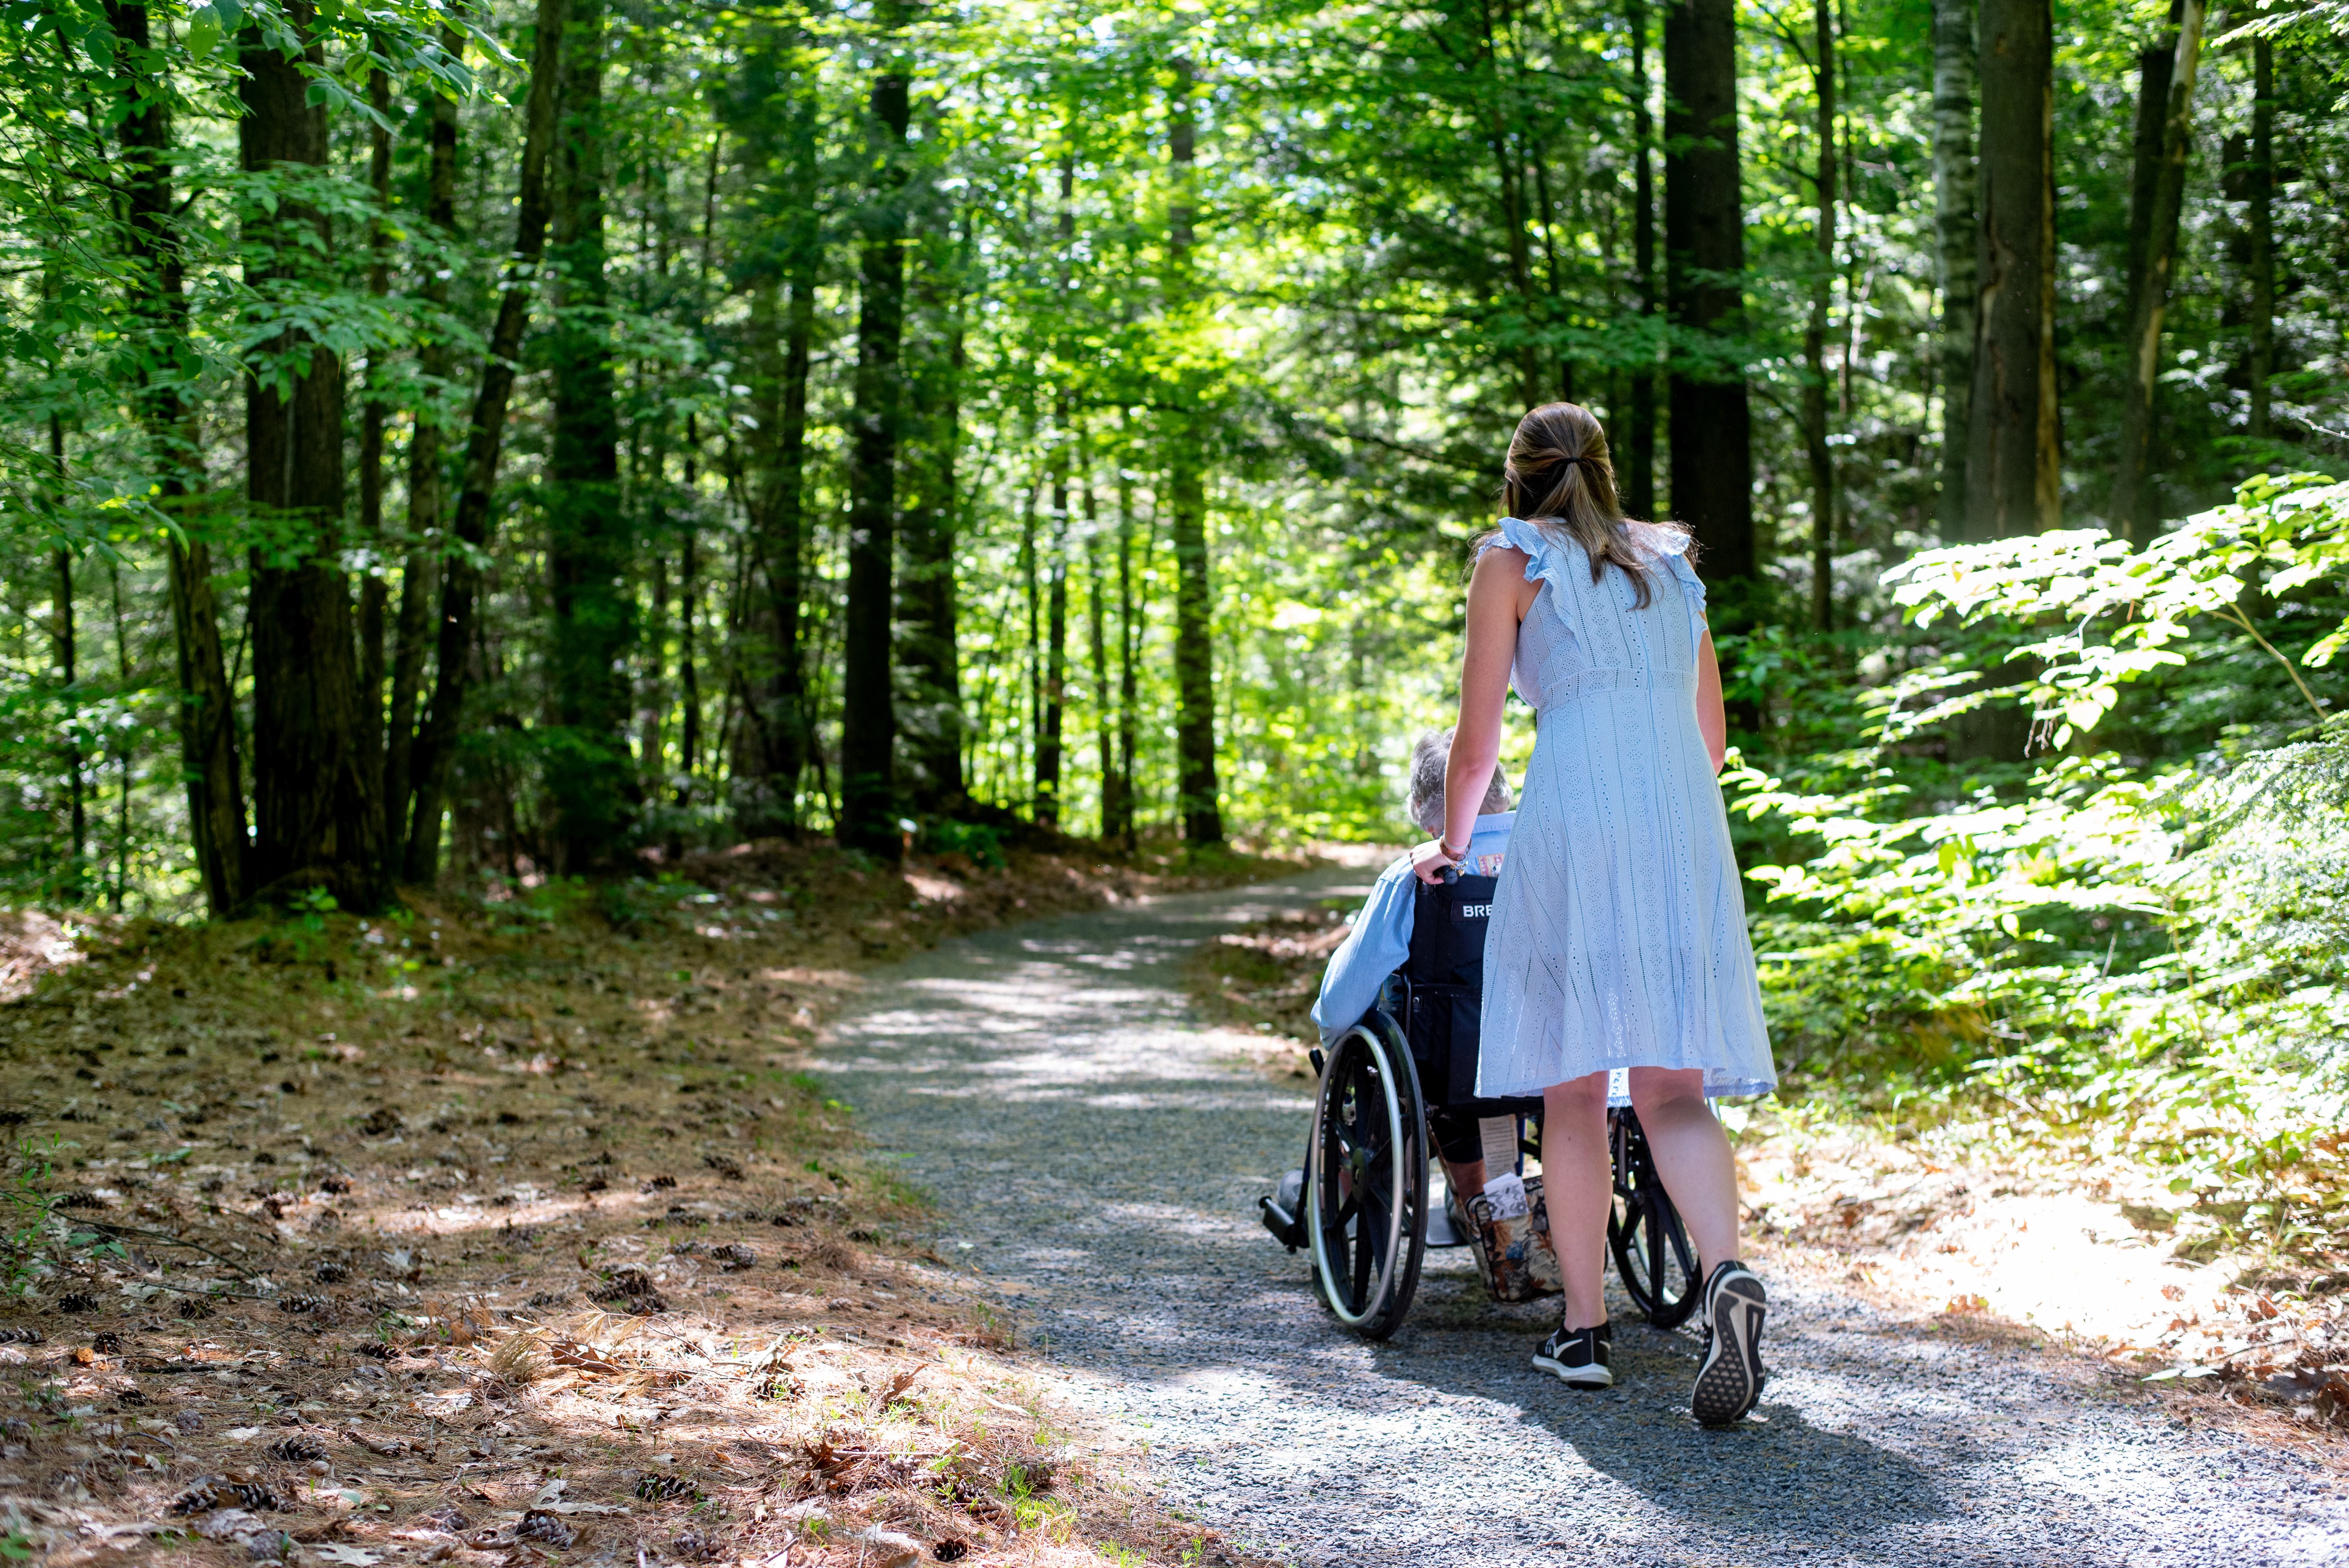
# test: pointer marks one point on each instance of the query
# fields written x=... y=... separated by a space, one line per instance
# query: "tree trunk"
x=927 y=601
x=1050 y=730
x=318 y=819
x=1954 y=227
x=1639 y=492
x=375 y=588
x=1195 y=668
x=61 y=640
x=1815 y=331
x=1129 y=666
x=158 y=301
x=589 y=549
x=2161 y=188
x=1097 y=636
x=688 y=656
x=1035 y=644
x=1704 y=248
x=420 y=575
x=460 y=581
x=773 y=806
x=2263 y=221
x=2011 y=473
x=868 y=779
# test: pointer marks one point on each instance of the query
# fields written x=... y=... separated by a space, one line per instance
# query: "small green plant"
x=28 y=1212
x=982 y=845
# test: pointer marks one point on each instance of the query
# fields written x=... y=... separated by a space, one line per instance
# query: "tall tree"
x=772 y=117
x=1815 y=446
x=419 y=572
x=1955 y=222
x=2260 y=179
x=1196 y=801
x=1118 y=823
x=927 y=604
x=61 y=644
x=375 y=588
x=157 y=301
x=2167 y=97
x=1704 y=250
x=461 y=578
x=589 y=547
x=318 y=818
x=1640 y=470
x=868 y=779
x=2012 y=478
x=1050 y=726
x=1113 y=808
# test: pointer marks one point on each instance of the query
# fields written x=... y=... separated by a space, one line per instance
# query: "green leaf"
x=203 y=35
x=231 y=13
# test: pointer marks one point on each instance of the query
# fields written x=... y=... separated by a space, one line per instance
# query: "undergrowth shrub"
x=2141 y=950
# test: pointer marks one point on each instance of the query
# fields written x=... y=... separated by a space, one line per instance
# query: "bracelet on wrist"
x=1456 y=856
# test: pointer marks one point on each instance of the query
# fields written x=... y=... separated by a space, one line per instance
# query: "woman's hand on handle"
x=1431 y=859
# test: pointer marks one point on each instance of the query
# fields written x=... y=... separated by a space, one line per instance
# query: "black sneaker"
x=1579 y=1357
x=1729 y=1380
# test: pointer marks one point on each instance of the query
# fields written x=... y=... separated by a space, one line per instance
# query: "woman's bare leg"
x=1576 y=1188
x=1692 y=1156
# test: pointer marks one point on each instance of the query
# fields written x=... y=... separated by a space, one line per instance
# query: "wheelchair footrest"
x=1284 y=1211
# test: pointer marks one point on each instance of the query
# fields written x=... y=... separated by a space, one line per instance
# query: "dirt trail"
x=1096 y=1151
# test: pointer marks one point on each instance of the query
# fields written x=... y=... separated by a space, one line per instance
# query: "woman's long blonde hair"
x=1557 y=477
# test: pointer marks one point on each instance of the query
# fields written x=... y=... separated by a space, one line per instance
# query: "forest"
x=512 y=442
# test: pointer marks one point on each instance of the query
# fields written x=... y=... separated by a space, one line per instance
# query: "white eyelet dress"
x=1618 y=937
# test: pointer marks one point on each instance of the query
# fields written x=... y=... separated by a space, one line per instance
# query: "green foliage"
x=29 y=1206
x=980 y=843
x=2152 y=944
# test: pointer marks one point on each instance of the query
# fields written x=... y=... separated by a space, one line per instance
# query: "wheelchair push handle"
x=1447 y=874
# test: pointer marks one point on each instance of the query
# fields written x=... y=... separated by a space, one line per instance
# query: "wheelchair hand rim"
x=1375 y=1299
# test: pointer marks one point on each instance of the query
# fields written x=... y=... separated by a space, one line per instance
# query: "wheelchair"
x=1389 y=1085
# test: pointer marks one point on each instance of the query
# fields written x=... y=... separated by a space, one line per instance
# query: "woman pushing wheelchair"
x=1618 y=933
x=1597 y=931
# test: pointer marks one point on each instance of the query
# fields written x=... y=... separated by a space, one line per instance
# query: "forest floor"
x=1963 y=1219
x=504 y=1229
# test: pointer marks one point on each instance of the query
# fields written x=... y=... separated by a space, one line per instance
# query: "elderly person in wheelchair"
x=1409 y=967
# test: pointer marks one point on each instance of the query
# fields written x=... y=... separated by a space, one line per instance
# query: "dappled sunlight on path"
x=1097 y=1154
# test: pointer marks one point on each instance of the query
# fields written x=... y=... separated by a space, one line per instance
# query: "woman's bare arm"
x=1497 y=601
x=1711 y=719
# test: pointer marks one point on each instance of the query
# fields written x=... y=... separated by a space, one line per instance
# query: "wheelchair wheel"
x=1369 y=1183
x=1644 y=1232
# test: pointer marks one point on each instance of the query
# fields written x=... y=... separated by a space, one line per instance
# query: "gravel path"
x=1098 y=1153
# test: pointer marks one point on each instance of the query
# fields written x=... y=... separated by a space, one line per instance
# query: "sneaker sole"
x=1730 y=1384
x=1576 y=1376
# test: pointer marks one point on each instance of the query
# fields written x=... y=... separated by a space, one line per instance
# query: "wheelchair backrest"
x=1447 y=932
x=1445 y=985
